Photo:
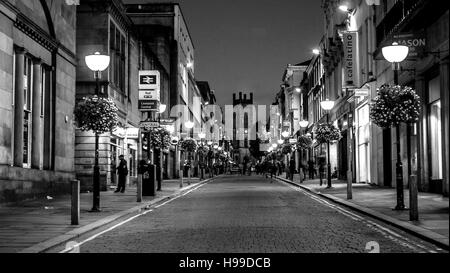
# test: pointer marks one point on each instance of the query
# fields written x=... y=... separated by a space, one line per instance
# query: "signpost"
x=149 y=101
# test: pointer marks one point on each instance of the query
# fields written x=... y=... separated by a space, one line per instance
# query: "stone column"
x=423 y=176
x=36 y=136
x=18 y=106
x=445 y=87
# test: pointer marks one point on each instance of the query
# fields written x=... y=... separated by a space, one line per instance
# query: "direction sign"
x=147 y=125
x=167 y=121
x=149 y=80
x=149 y=95
x=148 y=105
x=362 y=92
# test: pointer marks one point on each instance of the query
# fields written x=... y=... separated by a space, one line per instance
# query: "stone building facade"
x=37 y=89
x=105 y=27
x=426 y=25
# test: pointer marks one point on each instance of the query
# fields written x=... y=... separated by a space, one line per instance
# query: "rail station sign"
x=149 y=90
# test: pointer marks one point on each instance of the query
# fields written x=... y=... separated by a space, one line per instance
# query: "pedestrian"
x=273 y=170
x=292 y=169
x=311 y=169
x=122 y=171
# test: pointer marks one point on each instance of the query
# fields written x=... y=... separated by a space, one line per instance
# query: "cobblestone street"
x=248 y=215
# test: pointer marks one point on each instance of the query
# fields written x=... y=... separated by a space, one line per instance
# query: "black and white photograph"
x=222 y=133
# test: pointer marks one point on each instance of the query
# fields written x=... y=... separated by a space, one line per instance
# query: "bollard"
x=413 y=199
x=139 y=188
x=75 y=210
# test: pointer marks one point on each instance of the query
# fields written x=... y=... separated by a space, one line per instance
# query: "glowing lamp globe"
x=285 y=134
x=327 y=105
x=201 y=135
x=304 y=123
x=280 y=141
x=162 y=108
x=343 y=8
x=97 y=62
x=189 y=124
x=395 y=53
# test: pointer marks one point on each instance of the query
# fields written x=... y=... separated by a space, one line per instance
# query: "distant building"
x=241 y=147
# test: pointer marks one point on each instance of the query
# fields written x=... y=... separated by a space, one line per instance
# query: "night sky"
x=245 y=45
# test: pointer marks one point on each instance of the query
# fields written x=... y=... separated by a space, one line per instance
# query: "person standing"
x=292 y=169
x=321 y=170
x=311 y=169
x=122 y=171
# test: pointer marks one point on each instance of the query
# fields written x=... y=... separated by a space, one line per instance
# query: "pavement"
x=237 y=214
x=36 y=225
x=378 y=202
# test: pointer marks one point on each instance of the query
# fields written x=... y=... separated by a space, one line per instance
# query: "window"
x=117 y=47
x=27 y=119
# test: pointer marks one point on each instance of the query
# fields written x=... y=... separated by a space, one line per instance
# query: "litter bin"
x=148 y=172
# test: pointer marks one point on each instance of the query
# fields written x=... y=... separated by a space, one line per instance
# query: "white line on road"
x=77 y=246
x=386 y=232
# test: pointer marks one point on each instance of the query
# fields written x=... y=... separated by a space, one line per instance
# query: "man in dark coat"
x=122 y=171
x=292 y=169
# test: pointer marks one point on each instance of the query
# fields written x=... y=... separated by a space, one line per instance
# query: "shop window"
x=435 y=129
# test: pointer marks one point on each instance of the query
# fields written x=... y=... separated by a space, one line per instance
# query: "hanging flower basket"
x=394 y=105
x=188 y=145
x=287 y=149
x=160 y=138
x=203 y=150
x=96 y=114
x=304 y=142
x=327 y=133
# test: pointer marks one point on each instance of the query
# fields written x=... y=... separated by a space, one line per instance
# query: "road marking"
x=386 y=232
x=78 y=245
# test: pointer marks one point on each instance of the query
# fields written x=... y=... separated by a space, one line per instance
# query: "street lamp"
x=304 y=124
x=202 y=135
x=280 y=142
x=396 y=54
x=343 y=8
x=285 y=134
x=189 y=124
x=316 y=51
x=162 y=108
x=97 y=63
x=328 y=105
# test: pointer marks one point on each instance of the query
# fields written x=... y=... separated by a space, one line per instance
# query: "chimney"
x=251 y=98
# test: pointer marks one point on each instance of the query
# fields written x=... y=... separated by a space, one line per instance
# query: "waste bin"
x=148 y=172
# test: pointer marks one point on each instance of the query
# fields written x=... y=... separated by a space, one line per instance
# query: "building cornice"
x=35 y=32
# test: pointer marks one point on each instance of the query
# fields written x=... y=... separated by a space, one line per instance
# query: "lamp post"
x=328 y=105
x=202 y=136
x=303 y=125
x=189 y=125
x=158 y=152
x=97 y=63
x=396 y=54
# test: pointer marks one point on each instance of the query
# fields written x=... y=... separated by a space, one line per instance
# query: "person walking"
x=122 y=171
